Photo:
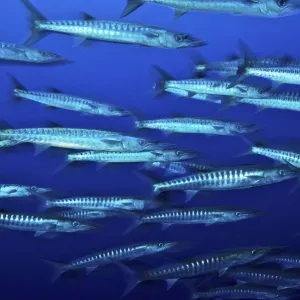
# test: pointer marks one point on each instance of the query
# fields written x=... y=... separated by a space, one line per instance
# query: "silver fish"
x=111 y=31
x=56 y=99
x=131 y=157
x=262 y=8
x=285 y=101
x=268 y=277
x=245 y=291
x=102 y=203
x=92 y=261
x=206 y=86
x=228 y=179
x=14 y=52
x=77 y=138
x=198 y=125
x=286 y=261
x=216 y=262
x=40 y=224
x=16 y=190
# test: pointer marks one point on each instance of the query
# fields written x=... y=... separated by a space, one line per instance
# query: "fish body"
x=16 y=190
x=40 y=224
x=286 y=261
x=77 y=138
x=267 y=277
x=262 y=8
x=198 y=125
x=229 y=179
x=13 y=52
x=89 y=214
x=198 y=215
x=103 y=203
x=279 y=155
x=69 y=102
x=285 y=101
x=244 y=291
x=132 y=157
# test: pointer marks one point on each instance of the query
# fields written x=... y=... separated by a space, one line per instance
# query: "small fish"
x=132 y=157
x=262 y=8
x=198 y=125
x=102 y=203
x=110 y=31
x=14 y=52
x=283 y=156
x=268 y=277
x=216 y=262
x=16 y=190
x=90 y=214
x=56 y=99
x=197 y=215
x=41 y=225
x=285 y=101
x=244 y=291
x=92 y=261
x=77 y=138
x=228 y=179
x=207 y=86
x=177 y=168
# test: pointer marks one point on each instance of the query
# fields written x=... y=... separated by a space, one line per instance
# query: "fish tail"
x=159 y=86
x=139 y=124
x=249 y=145
x=131 y=277
x=35 y=17
x=136 y=222
x=44 y=204
x=16 y=85
x=58 y=267
x=131 y=6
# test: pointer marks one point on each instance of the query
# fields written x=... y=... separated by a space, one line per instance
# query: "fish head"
x=176 y=40
x=280 y=173
x=35 y=190
x=10 y=190
x=45 y=57
x=115 y=111
x=245 y=256
x=160 y=247
x=236 y=215
x=276 y=8
x=241 y=128
x=177 y=155
x=65 y=225
x=141 y=144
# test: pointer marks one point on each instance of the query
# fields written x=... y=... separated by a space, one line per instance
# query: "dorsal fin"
x=87 y=17
x=56 y=91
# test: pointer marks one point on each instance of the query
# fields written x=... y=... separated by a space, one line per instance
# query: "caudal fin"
x=131 y=6
x=44 y=203
x=58 y=267
x=35 y=16
x=159 y=86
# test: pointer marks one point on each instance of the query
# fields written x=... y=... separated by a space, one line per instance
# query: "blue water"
x=123 y=74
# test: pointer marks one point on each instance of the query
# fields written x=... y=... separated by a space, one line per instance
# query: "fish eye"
x=178 y=153
x=282 y=2
x=239 y=127
x=179 y=37
x=111 y=109
x=75 y=224
x=281 y=172
x=142 y=142
x=33 y=188
x=160 y=245
x=253 y=252
x=238 y=214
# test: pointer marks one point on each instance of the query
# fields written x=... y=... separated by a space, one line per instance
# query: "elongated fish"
x=40 y=224
x=245 y=291
x=198 y=125
x=16 y=190
x=197 y=215
x=111 y=31
x=280 y=155
x=285 y=260
x=102 y=203
x=92 y=261
x=228 y=179
x=216 y=262
x=131 y=157
x=269 y=277
x=76 y=138
x=56 y=99
x=262 y=8
x=177 y=168
x=285 y=101
x=13 y=52
x=196 y=86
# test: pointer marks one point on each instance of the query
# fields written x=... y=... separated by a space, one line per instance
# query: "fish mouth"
x=162 y=146
x=250 y=127
x=196 y=44
x=193 y=153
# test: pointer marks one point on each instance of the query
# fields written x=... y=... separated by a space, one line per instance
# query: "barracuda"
x=115 y=255
x=102 y=203
x=198 y=125
x=56 y=99
x=111 y=31
x=13 y=52
x=268 y=277
x=216 y=262
x=286 y=261
x=228 y=179
x=89 y=214
x=241 y=292
x=16 y=190
x=262 y=8
x=40 y=224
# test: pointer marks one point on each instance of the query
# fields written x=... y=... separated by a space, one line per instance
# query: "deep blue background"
x=122 y=74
